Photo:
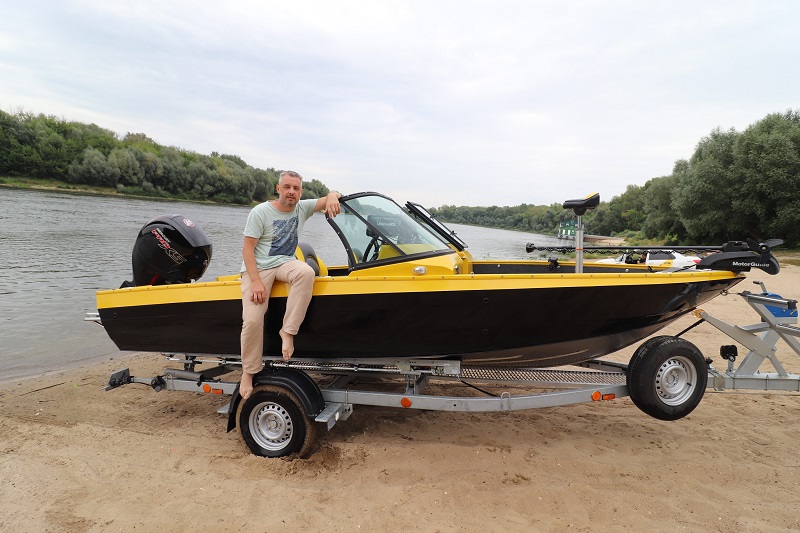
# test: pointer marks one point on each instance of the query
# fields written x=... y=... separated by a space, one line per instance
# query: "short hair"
x=291 y=174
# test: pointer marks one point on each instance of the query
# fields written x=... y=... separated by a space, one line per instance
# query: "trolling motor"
x=738 y=256
x=734 y=256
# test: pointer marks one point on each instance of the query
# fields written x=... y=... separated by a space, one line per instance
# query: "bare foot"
x=287 y=346
x=246 y=385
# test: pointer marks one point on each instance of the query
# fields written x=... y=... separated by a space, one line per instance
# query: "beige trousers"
x=300 y=278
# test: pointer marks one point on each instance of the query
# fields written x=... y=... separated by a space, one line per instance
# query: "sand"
x=75 y=458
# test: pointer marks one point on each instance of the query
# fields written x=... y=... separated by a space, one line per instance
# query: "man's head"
x=289 y=188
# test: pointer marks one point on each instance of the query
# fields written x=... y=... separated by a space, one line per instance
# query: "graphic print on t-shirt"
x=284 y=241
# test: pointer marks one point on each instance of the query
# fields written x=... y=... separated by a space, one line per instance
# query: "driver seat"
x=305 y=252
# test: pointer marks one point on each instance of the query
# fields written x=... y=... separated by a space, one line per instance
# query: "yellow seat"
x=305 y=252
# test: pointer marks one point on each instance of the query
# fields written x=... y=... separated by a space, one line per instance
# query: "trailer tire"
x=274 y=424
x=667 y=377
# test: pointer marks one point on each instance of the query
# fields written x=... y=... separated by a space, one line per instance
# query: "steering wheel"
x=374 y=246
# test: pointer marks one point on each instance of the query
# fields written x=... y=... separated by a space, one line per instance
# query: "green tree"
x=264 y=184
x=314 y=189
x=94 y=169
x=704 y=200
x=152 y=168
x=767 y=177
x=129 y=172
x=42 y=146
x=661 y=221
x=176 y=177
x=15 y=149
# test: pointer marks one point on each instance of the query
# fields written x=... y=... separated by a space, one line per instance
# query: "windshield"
x=424 y=217
x=374 y=228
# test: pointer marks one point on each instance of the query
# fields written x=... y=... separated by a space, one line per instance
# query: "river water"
x=58 y=249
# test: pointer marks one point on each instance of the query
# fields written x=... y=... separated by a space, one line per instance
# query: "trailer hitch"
x=123 y=377
x=118 y=379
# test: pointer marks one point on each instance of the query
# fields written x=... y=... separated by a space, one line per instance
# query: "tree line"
x=45 y=147
x=736 y=185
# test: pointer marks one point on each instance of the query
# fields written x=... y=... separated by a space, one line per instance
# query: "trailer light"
x=405 y=402
x=609 y=396
x=206 y=388
x=216 y=391
x=596 y=396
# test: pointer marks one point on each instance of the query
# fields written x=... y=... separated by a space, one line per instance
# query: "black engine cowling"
x=170 y=249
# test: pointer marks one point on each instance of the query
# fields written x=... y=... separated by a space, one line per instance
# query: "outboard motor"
x=170 y=249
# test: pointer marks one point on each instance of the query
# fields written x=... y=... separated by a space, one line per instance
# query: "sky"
x=438 y=102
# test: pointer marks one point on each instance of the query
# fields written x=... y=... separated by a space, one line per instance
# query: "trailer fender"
x=298 y=382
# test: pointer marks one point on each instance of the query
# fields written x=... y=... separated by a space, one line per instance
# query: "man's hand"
x=332 y=208
x=258 y=293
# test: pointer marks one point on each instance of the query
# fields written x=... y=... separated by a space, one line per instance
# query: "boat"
x=659 y=258
x=566 y=229
x=411 y=290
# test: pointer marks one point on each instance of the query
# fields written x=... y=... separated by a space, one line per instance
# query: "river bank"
x=88 y=190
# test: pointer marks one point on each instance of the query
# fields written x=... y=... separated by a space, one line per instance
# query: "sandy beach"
x=76 y=458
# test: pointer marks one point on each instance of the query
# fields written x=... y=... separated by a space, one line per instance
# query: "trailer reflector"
x=405 y=402
x=596 y=396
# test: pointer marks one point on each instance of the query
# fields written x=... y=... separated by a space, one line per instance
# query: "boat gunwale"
x=341 y=286
x=711 y=274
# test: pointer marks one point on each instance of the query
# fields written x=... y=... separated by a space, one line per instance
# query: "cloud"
x=465 y=103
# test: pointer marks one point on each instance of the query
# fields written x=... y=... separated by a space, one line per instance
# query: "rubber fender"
x=300 y=383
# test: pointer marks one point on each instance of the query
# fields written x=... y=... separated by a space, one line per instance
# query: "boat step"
x=333 y=412
x=542 y=376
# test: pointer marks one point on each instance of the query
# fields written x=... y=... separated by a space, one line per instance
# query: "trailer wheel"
x=274 y=424
x=667 y=377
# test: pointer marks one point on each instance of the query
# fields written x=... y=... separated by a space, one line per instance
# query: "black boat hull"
x=537 y=326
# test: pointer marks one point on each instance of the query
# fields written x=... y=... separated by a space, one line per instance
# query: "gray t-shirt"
x=277 y=232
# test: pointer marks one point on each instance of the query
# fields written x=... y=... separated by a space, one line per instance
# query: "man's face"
x=289 y=191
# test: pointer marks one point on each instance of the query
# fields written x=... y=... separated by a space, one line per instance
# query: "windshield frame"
x=374 y=229
x=427 y=219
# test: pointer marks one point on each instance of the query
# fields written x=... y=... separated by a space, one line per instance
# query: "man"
x=270 y=238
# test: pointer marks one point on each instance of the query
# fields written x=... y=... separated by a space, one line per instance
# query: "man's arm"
x=258 y=292
x=329 y=204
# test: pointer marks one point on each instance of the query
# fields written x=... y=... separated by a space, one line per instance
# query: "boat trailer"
x=777 y=316
x=666 y=378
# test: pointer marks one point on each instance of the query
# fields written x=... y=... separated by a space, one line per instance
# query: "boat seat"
x=305 y=252
x=581 y=205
